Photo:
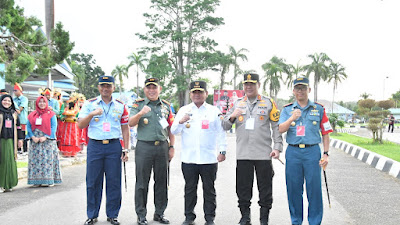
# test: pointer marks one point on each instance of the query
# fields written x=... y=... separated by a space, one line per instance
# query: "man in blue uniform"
x=106 y=118
x=303 y=121
x=21 y=103
x=53 y=104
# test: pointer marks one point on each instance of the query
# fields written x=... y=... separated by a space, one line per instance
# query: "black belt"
x=302 y=145
x=106 y=141
x=153 y=142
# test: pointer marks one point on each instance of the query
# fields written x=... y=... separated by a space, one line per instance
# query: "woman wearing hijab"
x=43 y=164
x=10 y=139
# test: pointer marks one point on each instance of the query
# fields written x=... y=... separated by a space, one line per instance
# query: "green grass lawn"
x=22 y=164
x=388 y=149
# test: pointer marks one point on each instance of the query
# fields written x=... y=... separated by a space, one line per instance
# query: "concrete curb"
x=373 y=159
x=64 y=161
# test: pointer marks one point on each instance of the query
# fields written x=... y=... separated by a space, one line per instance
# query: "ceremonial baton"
x=126 y=185
x=326 y=184
x=280 y=161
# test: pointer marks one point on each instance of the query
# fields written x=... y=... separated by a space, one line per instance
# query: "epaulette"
x=319 y=104
x=289 y=104
x=139 y=99
x=92 y=99
x=166 y=102
x=119 y=101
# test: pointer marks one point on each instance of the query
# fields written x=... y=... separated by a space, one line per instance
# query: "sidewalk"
x=64 y=161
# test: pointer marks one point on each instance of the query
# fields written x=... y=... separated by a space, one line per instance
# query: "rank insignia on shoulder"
x=139 y=99
x=92 y=99
x=288 y=104
x=117 y=100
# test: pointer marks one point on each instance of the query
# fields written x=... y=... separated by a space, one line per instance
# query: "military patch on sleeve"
x=135 y=105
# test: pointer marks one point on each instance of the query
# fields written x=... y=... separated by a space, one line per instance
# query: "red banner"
x=224 y=99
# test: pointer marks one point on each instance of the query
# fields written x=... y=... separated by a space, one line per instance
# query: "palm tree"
x=235 y=56
x=365 y=95
x=337 y=74
x=223 y=61
x=120 y=72
x=273 y=75
x=138 y=60
x=320 y=69
x=292 y=73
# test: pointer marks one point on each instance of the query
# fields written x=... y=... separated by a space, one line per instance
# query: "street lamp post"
x=383 y=91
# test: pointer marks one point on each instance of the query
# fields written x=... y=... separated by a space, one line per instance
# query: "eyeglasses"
x=301 y=88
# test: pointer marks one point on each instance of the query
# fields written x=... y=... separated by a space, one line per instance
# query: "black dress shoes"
x=141 y=221
x=160 y=219
x=113 y=221
x=188 y=222
x=90 y=221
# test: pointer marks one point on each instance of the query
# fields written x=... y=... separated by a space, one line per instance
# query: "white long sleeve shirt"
x=201 y=144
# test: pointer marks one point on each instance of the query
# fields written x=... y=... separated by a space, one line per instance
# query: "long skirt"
x=8 y=165
x=69 y=140
x=82 y=135
x=60 y=127
x=43 y=163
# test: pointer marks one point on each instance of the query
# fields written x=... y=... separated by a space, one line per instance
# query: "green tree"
x=377 y=112
x=120 y=72
x=160 y=66
x=365 y=95
x=138 y=60
x=25 y=50
x=292 y=73
x=396 y=98
x=236 y=55
x=87 y=73
x=178 y=28
x=320 y=68
x=273 y=75
x=337 y=74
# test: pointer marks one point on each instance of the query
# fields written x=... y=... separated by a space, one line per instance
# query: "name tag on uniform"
x=38 y=121
x=205 y=124
x=163 y=123
x=8 y=123
x=106 y=127
x=250 y=124
x=300 y=131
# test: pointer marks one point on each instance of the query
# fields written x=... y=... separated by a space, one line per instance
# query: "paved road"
x=359 y=195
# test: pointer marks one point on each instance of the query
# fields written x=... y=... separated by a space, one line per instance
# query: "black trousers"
x=390 y=125
x=244 y=184
x=150 y=157
x=25 y=145
x=208 y=174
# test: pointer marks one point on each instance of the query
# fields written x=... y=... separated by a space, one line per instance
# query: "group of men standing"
x=259 y=127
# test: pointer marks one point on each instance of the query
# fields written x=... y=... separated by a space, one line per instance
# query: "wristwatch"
x=326 y=153
x=171 y=146
x=222 y=152
x=125 y=150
